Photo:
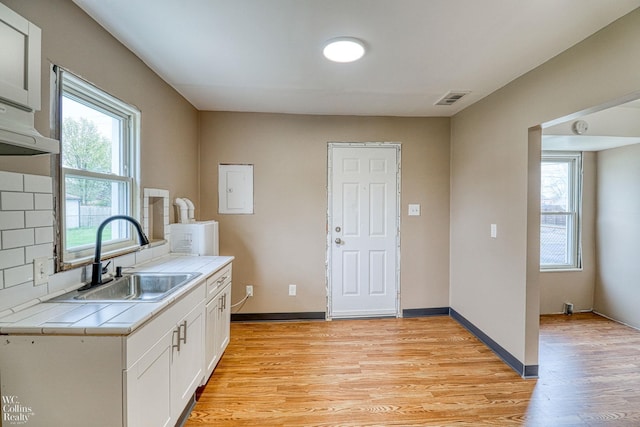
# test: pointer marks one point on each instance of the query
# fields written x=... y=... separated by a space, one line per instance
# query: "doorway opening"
x=607 y=138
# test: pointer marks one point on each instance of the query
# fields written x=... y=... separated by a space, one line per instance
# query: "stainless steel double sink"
x=134 y=287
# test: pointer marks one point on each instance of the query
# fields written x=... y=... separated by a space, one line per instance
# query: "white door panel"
x=363 y=234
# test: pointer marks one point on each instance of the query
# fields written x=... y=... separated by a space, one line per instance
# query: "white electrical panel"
x=235 y=189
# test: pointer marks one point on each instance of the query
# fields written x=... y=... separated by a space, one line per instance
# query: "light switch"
x=414 y=210
x=494 y=231
x=40 y=276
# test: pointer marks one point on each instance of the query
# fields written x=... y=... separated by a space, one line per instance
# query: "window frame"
x=80 y=90
x=573 y=212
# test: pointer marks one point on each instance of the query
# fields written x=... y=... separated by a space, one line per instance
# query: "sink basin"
x=135 y=287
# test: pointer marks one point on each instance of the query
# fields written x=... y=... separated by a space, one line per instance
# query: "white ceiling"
x=266 y=55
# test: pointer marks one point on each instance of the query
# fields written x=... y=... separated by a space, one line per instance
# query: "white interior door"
x=363 y=230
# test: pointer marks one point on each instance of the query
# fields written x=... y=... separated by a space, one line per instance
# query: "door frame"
x=328 y=261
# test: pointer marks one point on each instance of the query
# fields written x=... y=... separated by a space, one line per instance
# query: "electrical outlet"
x=40 y=276
x=292 y=290
x=249 y=290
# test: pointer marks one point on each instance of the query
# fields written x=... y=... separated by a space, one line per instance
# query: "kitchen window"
x=561 y=195
x=98 y=175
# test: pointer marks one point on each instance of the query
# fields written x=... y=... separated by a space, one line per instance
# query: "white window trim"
x=67 y=82
x=575 y=194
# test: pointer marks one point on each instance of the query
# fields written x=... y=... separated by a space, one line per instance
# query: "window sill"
x=560 y=270
x=88 y=260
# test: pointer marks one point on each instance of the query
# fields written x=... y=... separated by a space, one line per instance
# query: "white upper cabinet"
x=20 y=60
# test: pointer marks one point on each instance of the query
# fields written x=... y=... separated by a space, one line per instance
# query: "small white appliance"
x=195 y=238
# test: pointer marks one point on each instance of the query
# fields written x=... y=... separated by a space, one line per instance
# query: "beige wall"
x=71 y=39
x=618 y=233
x=285 y=240
x=489 y=178
x=576 y=287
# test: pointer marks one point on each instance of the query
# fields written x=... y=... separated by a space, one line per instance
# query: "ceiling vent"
x=451 y=97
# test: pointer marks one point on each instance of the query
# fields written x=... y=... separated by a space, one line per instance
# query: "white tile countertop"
x=99 y=318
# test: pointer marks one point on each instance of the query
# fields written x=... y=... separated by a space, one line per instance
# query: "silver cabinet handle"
x=181 y=337
x=184 y=325
x=176 y=331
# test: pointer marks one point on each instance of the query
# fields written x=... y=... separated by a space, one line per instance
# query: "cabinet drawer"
x=217 y=281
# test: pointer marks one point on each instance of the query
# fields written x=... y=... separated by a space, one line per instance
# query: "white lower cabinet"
x=146 y=378
x=187 y=360
x=223 y=326
x=148 y=397
x=138 y=380
x=53 y=380
x=218 y=317
x=218 y=328
x=161 y=382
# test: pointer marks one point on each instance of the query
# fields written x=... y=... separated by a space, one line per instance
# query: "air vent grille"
x=451 y=97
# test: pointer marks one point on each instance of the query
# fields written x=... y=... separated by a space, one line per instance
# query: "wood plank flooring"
x=420 y=372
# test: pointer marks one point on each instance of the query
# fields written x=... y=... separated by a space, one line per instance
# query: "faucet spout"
x=96 y=270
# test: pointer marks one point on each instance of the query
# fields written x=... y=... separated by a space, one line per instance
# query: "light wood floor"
x=420 y=372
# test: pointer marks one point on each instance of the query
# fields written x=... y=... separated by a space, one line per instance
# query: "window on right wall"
x=560 y=202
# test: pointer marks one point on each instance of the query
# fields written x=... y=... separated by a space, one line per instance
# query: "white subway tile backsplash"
x=160 y=251
x=38 y=184
x=10 y=201
x=38 y=218
x=18 y=275
x=11 y=220
x=143 y=256
x=127 y=260
x=38 y=251
x=20 y=294
x=11 y=181
x=27 y=231
x=17 y=238
x=43 y=235
x=11 y=258
x=61 y=282
x=43 y=201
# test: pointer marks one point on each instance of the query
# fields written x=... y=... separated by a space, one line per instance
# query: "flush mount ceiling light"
x=343 y=49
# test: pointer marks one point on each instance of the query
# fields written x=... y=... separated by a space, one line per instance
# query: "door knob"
x=338 y=241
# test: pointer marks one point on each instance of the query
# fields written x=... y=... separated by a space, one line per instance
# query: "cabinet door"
x=224 y=321
x=148 y=390
x=187 y=365
x=211 y=345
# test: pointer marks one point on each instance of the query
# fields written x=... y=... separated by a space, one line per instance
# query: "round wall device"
x=579 y=127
